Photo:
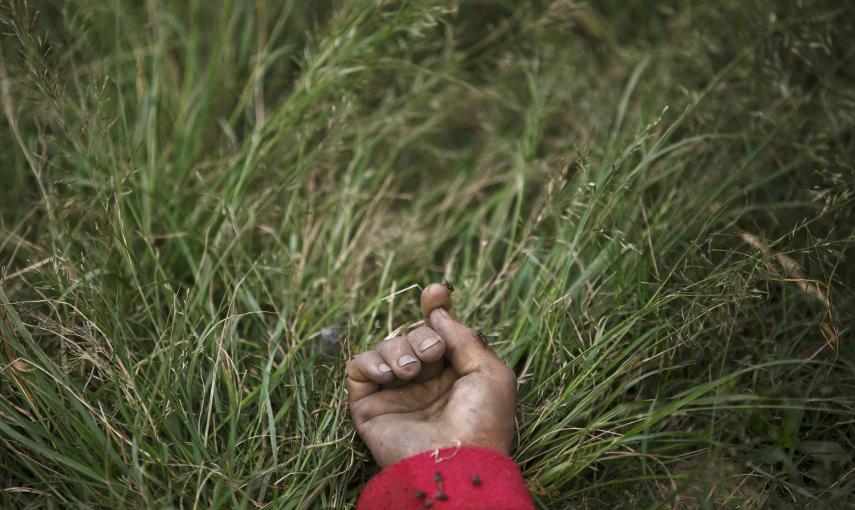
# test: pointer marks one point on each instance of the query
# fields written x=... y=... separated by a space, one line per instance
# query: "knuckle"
x=389 y=345
x=501 y=373
x=424 y=331
x=506 y=375
x=358 y=413
x=350 y=368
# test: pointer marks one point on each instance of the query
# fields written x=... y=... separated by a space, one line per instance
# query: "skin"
x=437 y=385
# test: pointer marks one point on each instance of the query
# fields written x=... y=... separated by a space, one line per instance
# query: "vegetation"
x=207 y=209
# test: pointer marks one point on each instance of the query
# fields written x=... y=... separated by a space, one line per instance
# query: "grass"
x=648 y=208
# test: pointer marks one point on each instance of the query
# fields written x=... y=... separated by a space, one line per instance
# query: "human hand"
x=436 y=387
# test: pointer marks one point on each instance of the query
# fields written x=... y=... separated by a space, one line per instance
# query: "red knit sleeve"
x=468 y=477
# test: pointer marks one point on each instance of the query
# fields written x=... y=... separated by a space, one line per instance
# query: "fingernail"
x=405 y=360
x=427 y=344
x=444 y=313
x=384 y=368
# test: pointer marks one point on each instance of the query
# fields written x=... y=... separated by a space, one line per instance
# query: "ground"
x=208 y=207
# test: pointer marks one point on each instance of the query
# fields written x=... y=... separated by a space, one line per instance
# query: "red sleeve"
x=468 y=477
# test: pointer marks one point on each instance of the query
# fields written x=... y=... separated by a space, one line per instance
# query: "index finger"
x=436 y=295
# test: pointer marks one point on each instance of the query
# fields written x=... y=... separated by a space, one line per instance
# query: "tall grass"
x=206 y=209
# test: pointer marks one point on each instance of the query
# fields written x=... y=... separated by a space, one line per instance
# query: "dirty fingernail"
x=405 y=360
x=384 y=368
x=427 y=344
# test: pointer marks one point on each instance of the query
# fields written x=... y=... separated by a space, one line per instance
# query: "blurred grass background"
x=648 y=207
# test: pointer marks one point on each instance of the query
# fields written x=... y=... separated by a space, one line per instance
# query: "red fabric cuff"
x=468 y=477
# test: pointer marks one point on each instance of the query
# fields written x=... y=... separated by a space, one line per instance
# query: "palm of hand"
x=419 y=416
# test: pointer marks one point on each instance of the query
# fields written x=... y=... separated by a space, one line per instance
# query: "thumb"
x=463 y=346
